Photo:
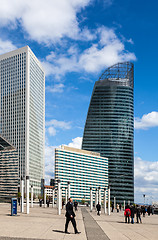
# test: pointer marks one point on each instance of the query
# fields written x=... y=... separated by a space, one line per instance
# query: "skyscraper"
x=109 y=127
x=22 y=110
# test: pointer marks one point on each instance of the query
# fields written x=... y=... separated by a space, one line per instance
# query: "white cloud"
x=54 y=124
x=49 y=163
x=57 y=88
x=107 y=51
x=45 y=21
x=146 y=180
x=76 y=142
x=59 y=124
x=6 y=46
x=147 y=121
x=50 y=158
x=52 y=131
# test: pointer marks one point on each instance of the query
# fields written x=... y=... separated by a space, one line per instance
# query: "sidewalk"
x=44 y=223
x=116 y=229
x=41 y=223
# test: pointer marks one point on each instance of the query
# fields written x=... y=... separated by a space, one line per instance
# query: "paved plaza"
x=44 y=223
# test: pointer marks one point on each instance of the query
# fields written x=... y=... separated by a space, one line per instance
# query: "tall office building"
x=109 y=127
x=22 y=110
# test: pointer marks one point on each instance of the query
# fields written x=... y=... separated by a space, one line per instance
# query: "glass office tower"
x=109 y=127
x=22 y=111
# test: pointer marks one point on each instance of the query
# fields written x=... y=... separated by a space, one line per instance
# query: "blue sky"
x=76 y=40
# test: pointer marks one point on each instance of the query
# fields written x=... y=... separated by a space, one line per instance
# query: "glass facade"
x=109 y=128
x=8 y=170
x=22 y=111
x=83 y=169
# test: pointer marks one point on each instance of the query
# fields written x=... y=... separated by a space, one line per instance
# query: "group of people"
x=136 y=211
x=118 y=207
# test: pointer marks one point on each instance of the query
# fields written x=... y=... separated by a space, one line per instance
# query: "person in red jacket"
x=127 y=214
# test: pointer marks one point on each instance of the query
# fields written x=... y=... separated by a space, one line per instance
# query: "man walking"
x=98 y=207
x=70 y=216
x=75 y=205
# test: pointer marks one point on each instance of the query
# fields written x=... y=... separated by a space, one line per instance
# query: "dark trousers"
x=98 y=212
x=138 y=218
x=68 y=219
x=127 y=217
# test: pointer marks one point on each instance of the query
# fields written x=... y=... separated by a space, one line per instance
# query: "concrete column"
x=53 y=193
x=114 y=202
x=27 y=194
x=99 y=195
x=22 y=195
x=45 y=197
x=66 y=199
x=69 y=189
x=91 y=200
x=105 y=200
x=109 y=201
x=124 y=205
x=128 y=202
x=96 y=197
x=59 y=198
x=31 y=196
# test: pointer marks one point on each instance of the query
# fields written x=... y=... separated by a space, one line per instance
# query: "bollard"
x=31 y=196
x=91 y=200
x=66 y=200
x=27 y=194
x=114 y=202
x=45 y=197
x=68 y=189
x=99 y=195
x=53 y=197
x=108 y=200
x=22 y=194
x=96 y=197
x=105 y=200
x=59 y=198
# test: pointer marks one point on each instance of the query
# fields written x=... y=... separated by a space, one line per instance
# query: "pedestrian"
x=70 y=216
x=117 y=207
x=120 y=206
x=143 y=210
x=138 y=214
x=152 y=210
x=112 y=207
x=98 y=206
x=75 y=205
x=149 y=210
x=47 y=202
x=133 y=211
x=63 y=203
x=127 y=214
x=40 y=202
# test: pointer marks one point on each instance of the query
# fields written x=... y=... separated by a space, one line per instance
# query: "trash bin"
x=14 y=207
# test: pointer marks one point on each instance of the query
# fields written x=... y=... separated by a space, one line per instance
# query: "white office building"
x=83 y=169
x=22 y=111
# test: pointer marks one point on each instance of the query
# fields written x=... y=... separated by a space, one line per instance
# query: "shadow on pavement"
x=59 y=231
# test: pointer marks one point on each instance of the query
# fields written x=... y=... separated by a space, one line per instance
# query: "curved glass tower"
x=109 y=127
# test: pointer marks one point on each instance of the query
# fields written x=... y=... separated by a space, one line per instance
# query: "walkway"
x=93 y=230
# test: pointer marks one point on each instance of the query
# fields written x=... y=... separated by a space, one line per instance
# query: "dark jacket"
x=69 y=210
x=133 y=211
x=98 y=206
